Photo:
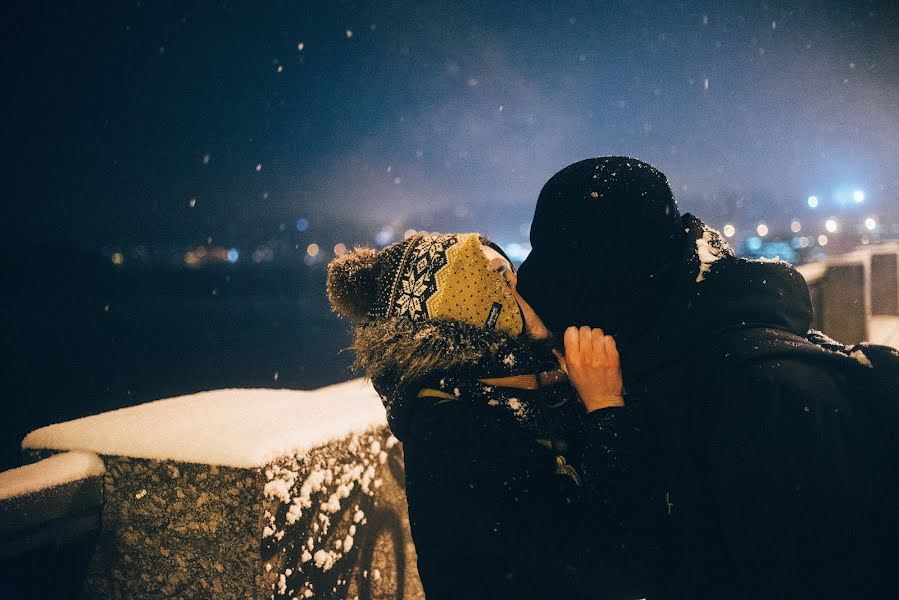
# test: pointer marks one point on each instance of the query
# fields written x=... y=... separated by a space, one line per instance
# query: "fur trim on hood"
x=402 y=351
x=401 y=357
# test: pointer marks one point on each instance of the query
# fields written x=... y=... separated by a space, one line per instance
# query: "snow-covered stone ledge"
x=49 y=522
x=246 y=494
x=50 y=503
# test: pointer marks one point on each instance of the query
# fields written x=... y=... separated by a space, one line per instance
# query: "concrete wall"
x=846 y=301
x=330 y=523
x=849 y=289
x=885 y=280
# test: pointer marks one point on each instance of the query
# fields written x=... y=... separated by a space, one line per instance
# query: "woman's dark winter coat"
x=512 y=493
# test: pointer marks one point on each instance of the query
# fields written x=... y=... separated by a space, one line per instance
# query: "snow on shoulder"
x=709 y=249
x=48 y=473
x=241 y=428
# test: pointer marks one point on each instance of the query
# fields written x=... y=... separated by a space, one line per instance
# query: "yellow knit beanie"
x=425 y=277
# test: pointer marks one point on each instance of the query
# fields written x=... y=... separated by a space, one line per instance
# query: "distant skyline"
x=167 y=123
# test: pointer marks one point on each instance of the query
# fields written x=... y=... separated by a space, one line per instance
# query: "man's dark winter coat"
x=773 y=473
x=512 y=493
x=774 y=481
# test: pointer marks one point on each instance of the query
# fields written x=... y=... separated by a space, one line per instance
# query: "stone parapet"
x=326 y=521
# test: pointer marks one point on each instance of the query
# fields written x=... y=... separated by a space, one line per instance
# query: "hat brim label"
x=493 y=317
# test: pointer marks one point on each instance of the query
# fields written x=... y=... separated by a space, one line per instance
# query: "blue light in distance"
x=517 y=252
x=233 y=255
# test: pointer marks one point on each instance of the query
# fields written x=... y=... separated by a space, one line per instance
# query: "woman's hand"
x=591 y=359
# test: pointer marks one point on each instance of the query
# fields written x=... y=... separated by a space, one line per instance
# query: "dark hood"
x=753 y=293
x=600 y=226
x=715 y=292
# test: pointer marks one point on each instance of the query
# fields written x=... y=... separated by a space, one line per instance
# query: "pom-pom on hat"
x=424 y=277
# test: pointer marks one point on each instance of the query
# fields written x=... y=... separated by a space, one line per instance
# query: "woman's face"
x=532 y=322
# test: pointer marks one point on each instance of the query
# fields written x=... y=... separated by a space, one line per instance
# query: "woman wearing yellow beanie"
x=515 y=488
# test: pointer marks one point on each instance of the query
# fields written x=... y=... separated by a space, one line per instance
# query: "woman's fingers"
x=611 y=351
x=572 y=344
x=599 y=350
x=586 y=344
x=590 y=346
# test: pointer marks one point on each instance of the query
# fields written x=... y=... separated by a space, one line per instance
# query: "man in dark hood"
x=772 y=482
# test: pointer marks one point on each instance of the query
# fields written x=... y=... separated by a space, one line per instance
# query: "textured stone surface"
x=331 y=523
x=337 y=526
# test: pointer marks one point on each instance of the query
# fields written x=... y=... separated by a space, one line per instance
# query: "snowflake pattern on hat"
x=410 y=300
x=417 y=283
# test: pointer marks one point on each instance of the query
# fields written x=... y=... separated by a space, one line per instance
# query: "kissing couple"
x=635 y=412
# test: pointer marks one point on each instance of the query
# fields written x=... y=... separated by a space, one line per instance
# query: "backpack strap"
x=529 y=381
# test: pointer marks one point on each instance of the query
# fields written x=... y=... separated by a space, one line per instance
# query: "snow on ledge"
x=50 y=472
x=242 y=428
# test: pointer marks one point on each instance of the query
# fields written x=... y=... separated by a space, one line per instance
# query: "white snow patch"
x=293 y=513
x=708 y=255
x=517 y=407
x=332 y=505
x=242 y=428
x=50 y=472
x=324 y=559
x=278 y=488
x=861 y=358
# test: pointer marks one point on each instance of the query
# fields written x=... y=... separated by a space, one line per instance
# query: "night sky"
x=144 y=122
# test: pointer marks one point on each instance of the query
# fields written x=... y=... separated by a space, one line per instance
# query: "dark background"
x=81 y=337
